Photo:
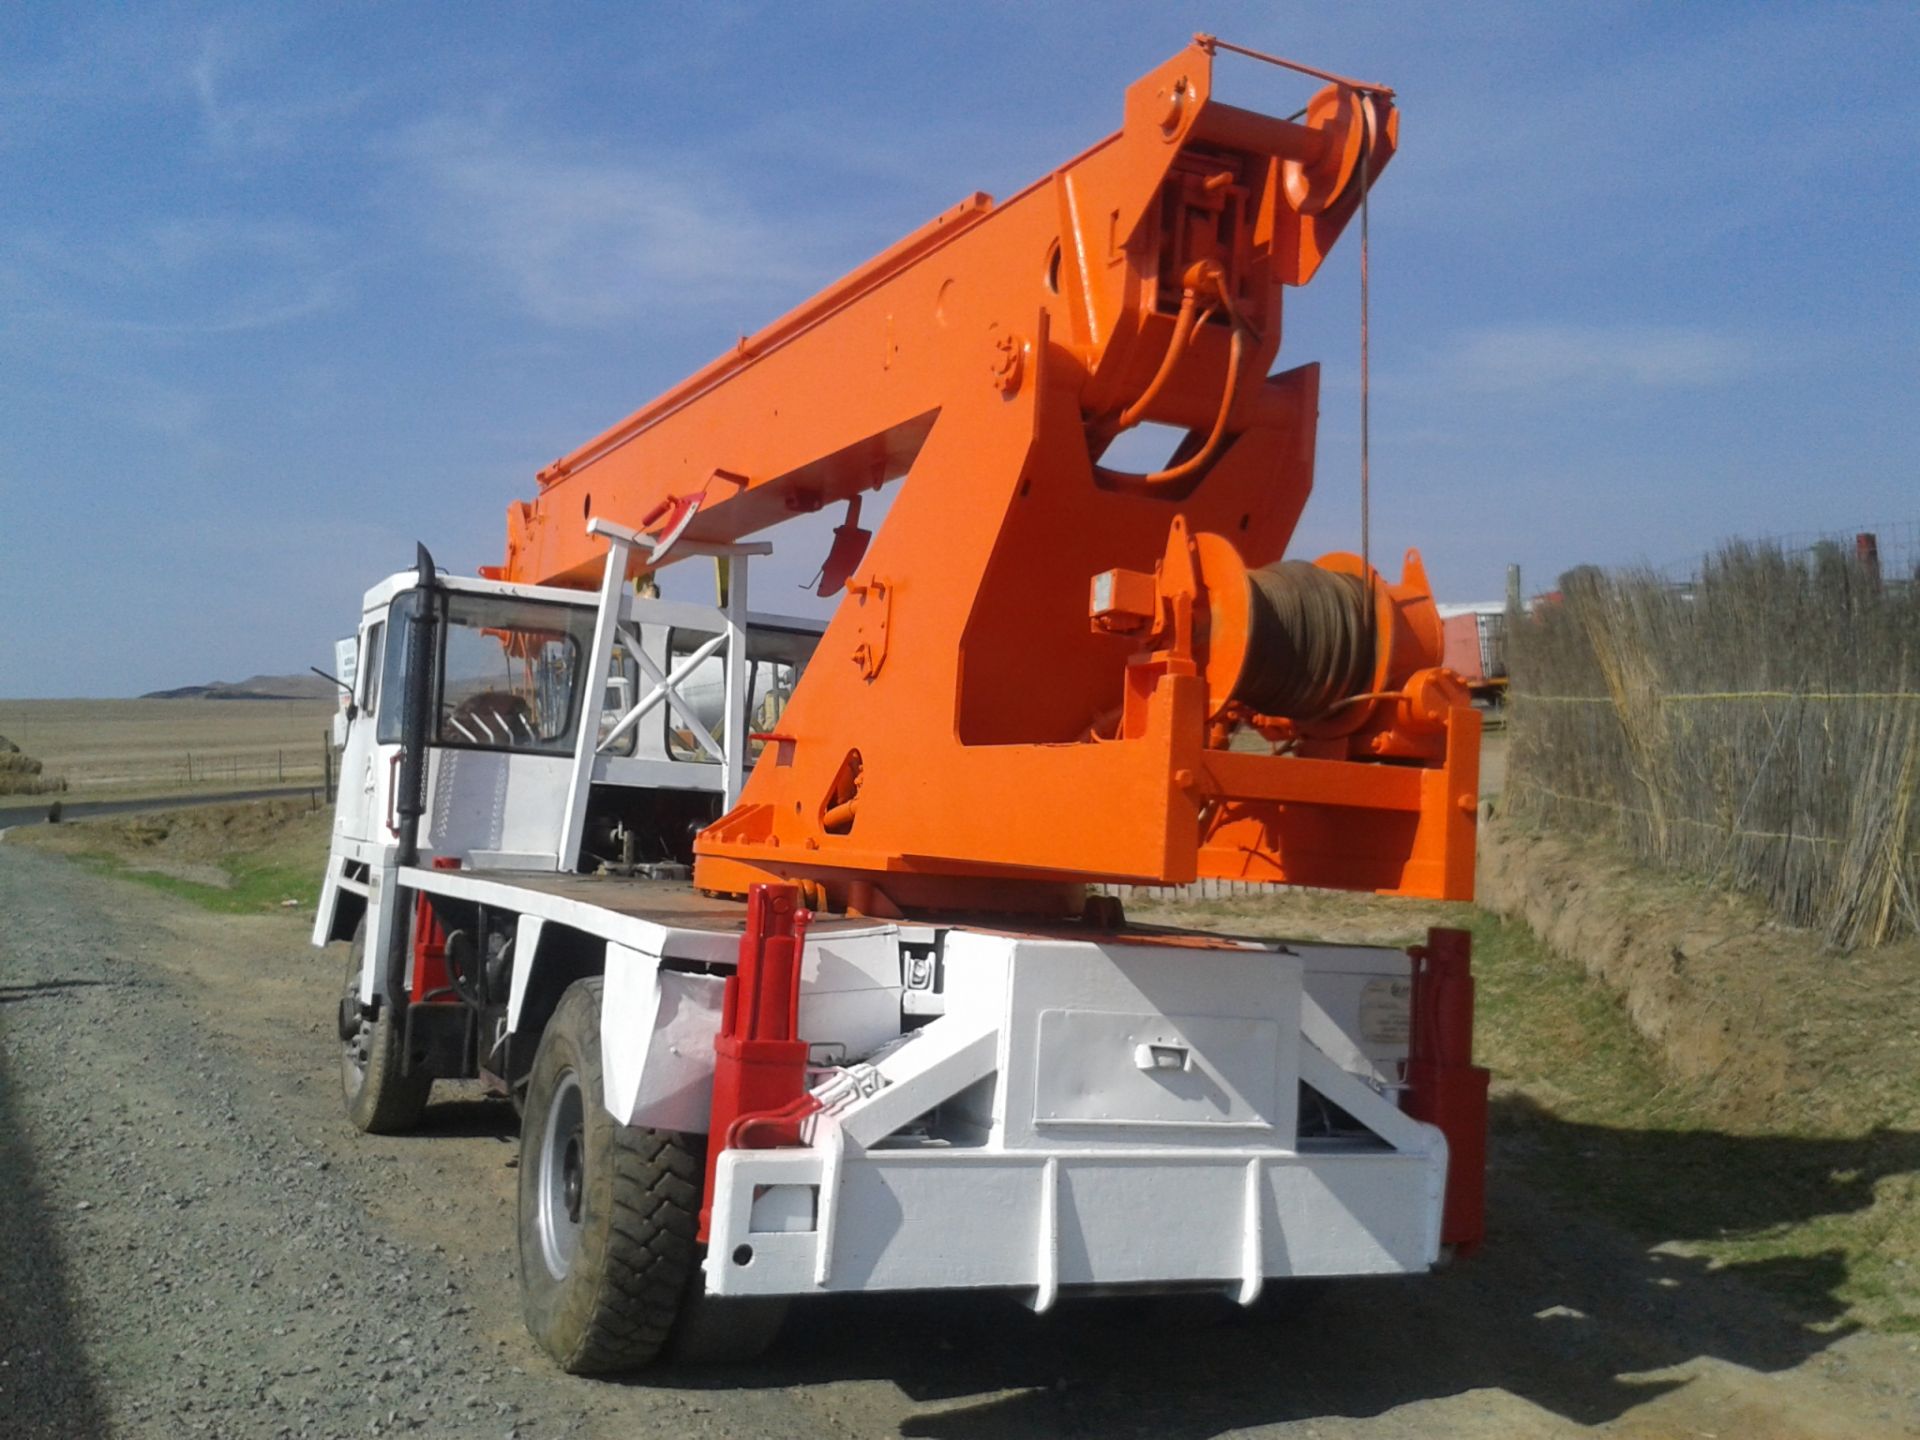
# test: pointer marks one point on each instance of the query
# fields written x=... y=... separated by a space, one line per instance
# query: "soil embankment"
x=1769 y=1024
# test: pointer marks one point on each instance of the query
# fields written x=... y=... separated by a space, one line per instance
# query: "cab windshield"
x=508 y=676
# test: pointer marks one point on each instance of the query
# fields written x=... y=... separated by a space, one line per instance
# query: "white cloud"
x=179 y=276
x=267 y=117
x=586 y=241
x=1566 y=356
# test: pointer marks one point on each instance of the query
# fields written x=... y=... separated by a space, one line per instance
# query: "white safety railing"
x=622 y=622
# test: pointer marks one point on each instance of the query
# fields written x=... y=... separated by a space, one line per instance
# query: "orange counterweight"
x=973 y=731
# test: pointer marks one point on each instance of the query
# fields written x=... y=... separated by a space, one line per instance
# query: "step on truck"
x=801 y=947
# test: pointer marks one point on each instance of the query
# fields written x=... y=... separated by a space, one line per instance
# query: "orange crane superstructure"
x=1040 y=665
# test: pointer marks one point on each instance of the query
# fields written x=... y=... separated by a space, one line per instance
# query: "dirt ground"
x=200 y=1245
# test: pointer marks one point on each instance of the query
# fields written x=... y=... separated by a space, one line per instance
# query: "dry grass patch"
x=23 y=774
x=232 y=858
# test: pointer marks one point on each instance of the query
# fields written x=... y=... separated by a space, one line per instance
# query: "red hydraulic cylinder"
x=1444 y=1087
x=431 y=978
x=759 y=1060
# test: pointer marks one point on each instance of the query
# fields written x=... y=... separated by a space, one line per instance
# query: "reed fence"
x=1757 y=725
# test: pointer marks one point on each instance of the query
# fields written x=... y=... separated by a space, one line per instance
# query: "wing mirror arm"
x=353 y=708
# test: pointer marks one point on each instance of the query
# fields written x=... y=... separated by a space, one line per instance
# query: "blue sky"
x=283 y=288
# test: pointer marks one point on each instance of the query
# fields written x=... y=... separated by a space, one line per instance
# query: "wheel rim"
x=353 y=1058
x=355 y=1053
x=563 y=1178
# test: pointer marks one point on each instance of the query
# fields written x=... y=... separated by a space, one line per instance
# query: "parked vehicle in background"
x=1476 y=647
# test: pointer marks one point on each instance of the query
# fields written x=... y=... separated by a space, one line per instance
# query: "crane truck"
x=796 y=944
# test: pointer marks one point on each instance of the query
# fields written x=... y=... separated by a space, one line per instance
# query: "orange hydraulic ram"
x=1041 y=661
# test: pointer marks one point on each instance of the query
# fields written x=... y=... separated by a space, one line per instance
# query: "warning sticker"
x=1385 y=1010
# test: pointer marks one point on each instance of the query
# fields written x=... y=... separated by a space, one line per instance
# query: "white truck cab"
x=510 y=701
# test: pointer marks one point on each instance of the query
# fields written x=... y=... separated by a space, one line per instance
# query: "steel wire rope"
x=1365 y=106
x=1309 y=641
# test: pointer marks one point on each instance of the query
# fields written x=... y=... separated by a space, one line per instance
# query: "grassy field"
x=109 y=748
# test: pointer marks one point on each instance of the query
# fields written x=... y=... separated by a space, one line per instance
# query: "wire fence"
x=1894 y=546
x=1758 y=726
x=158 y=769
x=276 y=767
x=1198 y=890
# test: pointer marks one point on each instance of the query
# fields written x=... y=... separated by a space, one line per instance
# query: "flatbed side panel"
x=662 y=918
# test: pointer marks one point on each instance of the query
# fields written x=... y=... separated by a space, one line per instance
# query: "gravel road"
x=34 y=812
x=192 y=1242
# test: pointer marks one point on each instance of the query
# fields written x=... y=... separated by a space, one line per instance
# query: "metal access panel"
x=1118 y=1044
x=1148 y=1070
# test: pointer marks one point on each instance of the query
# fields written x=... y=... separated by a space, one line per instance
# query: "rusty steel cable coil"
x=1310 y=641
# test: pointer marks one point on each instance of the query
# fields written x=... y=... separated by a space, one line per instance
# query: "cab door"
x=363 y=811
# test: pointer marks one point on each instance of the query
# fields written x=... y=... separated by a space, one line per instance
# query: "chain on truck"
x=796 y=944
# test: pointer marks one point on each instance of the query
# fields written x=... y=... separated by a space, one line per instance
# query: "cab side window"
x=370 y=656
x=391 y=686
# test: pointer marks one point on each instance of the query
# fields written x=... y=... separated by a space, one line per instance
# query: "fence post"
x=326 y=758
x=1866 y=550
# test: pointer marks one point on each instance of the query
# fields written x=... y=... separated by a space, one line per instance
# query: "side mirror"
x=353 y=706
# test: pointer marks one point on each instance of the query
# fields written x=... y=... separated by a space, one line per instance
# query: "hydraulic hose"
x=1158 y=481
x=1183 y=324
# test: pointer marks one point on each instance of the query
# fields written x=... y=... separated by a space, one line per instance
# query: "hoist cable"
x=1365 y=107
x=1309 y=640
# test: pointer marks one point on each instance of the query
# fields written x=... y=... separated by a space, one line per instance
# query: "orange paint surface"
x=966 y=736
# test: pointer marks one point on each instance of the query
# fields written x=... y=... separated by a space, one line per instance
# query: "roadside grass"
x=231 y=859
x=1587 y=1114
x=251 y=886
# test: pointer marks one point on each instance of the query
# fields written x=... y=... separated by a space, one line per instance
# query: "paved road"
x=36 y=812
x=192 y=1242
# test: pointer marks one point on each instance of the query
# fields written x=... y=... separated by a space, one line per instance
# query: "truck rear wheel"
x=608 y=1212
x=380 y=1100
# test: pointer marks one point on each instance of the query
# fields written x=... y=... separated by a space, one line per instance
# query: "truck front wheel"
x=380 y=1100
x=608 y=1212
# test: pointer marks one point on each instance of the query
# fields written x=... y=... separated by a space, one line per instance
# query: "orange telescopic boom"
x=1047 y=670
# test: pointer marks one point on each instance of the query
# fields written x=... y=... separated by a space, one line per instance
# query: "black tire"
x=380 y=1100
x=608 y=1212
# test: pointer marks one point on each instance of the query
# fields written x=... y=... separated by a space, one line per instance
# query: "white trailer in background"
x=1036 y=1109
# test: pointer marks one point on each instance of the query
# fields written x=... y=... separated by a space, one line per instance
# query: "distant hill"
x=256 y=687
